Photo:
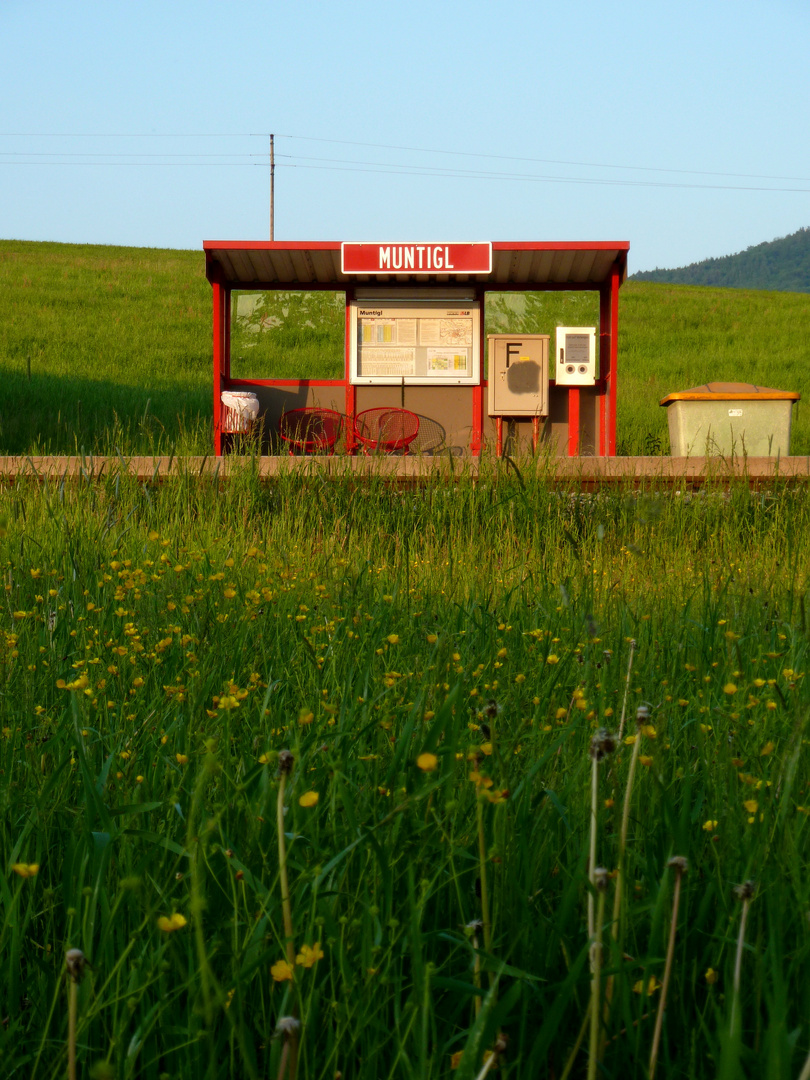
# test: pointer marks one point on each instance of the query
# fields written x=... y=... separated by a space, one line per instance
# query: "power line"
x=402 y=148
x=597 y=181
x=546 y=161
x=384 y=169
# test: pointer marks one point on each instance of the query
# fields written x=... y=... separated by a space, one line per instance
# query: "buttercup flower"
x=309 y=798
x=309 y=955
x=281 y=971
x=169 y=923
x=26 y=869
x=427 y=762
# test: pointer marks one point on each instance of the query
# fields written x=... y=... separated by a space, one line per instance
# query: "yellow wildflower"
x=26 y=869
x=309 y=955
x=309 y=798
x=281 y=971
x=709 y=826
x=427 y=762
x=169 y=923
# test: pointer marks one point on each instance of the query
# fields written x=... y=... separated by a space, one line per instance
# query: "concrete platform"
x=585 y=473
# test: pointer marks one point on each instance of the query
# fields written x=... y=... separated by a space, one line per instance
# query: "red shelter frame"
x=526 y=266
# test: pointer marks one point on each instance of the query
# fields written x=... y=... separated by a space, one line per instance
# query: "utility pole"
x=272 y=188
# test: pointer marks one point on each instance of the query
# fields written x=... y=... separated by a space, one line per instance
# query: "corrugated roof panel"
x=561 y=266
x=521 y=270
x=292 y=265
x=327 y=267
x=501 y=267
x=602 y=264
x=229 y=270
x=284 y=267
x=582 y=265
x=302 y=267
x=545 y=263
x=243 y=266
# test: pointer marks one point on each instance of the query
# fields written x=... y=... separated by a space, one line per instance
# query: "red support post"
x=219 y=363
x=477 y=433
x=604 y=368
x=351 y=391
x=615 y=281
x=573 y=421
x=227 y=343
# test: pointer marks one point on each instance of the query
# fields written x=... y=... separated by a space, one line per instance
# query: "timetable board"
x=415 y=341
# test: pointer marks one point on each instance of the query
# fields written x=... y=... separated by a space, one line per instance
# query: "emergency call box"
x=575 y=359
x=518 y=374
x=415 y=338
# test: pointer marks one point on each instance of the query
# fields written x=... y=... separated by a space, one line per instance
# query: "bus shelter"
x=415 y=339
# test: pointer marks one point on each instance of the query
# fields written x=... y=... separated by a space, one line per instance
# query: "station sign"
x=398 y=258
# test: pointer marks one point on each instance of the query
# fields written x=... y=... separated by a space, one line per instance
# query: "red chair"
x=310 y=430
x=386 y=429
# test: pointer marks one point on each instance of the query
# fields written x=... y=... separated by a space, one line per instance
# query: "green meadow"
x=312 y=776
x=110 y=348
x=307 y=778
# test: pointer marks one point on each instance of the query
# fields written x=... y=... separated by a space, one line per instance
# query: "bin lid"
x=730 y=391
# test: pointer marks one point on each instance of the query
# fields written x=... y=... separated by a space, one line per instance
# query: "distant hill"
x=781 y=265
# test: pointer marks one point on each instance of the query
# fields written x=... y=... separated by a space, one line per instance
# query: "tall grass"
x=110 y=348
x=432 y=659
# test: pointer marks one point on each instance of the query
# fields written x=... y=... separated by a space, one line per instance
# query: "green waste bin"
x=730 y=418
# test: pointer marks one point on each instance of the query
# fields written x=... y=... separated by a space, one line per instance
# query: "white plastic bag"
x=240 y=410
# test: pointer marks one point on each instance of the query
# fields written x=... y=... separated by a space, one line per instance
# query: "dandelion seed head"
x=602 y=744
x=285 y=762
x=75 y=962
x=601 y=878
x=642 y=715
x=745 y=891
x=287 y=1026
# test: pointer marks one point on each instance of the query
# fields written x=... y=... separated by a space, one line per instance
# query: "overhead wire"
x=197 y=159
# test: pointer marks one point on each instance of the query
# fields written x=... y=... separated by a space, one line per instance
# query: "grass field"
x=419 y=878
x=110 y=348
x=350 y=782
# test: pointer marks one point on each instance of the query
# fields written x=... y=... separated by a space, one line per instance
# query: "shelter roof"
x=285 y=264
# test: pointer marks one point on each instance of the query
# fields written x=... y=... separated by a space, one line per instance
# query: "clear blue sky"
x=681 y=127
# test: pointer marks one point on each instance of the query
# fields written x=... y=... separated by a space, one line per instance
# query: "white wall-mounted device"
x=517 y=375
x=575 y=359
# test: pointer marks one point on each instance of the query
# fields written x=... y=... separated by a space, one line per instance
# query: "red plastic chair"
x=310 y=430
x=386 y=429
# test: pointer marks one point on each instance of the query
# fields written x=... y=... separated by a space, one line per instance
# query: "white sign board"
x=415 y=341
